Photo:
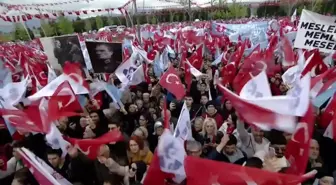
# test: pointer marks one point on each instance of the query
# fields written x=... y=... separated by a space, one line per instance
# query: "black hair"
x=254 y=162
x=234 y=118
x=51 y=151
x=146 y=115
x=114 y=120
x=219 y=136
x=206 y=95
x=278 y=139
x=322 y=172
x=232 y=140
x=18 y=144
x=141 y=170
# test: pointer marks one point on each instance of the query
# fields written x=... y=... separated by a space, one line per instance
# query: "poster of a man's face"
x=104 y=52
x=63 y=49
x=105 y=57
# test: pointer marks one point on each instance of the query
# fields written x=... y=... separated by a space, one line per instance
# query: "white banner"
x=316 y=31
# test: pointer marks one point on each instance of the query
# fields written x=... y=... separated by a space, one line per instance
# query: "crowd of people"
x=219 y=134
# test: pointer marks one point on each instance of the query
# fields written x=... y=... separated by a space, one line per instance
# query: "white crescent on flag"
x=172 y=76
x=66 y=92
x=300 y=126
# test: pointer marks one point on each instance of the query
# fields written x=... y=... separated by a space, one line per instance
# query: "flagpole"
x=25 y=27
x=44 y=33
x=137 y=26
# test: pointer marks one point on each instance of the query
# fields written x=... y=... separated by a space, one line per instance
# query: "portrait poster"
x=62 y=49
x=105 y=57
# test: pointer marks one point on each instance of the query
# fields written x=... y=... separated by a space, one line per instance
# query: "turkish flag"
x=28 y=120
x=288 y=52
x=196 y=59
x=172 y=83
x=297 y=149
x=90 y=147
x=74 y=71
x=256 y=52
x=328 y=113
x=214 y=172
x=63 y=102
x=315 y=65
x=228 y=73
x=255 y=114
x=187 y=74
x=237 y=55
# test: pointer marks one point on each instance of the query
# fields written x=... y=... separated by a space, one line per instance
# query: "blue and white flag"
x=171 y=154
x=323 y=97
x=183 y=126
x=115 y=94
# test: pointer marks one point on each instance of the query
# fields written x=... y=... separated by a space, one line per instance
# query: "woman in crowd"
x=209 y=133
x=218 y=132
x=138 y=151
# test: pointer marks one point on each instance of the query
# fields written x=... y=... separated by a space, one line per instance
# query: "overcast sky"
x=96 y=4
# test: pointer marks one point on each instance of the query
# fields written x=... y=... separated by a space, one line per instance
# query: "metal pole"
x=211 y=17
x=45 y=35
x=137 y=20
x=189 y=10
x=25 y=27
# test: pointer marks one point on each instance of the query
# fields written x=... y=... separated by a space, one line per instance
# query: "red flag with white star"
x=63 y=102
x=172 y=83
x=90 y=147
x=28 y=120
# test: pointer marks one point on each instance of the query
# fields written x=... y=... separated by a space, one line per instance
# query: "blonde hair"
x=209 y=120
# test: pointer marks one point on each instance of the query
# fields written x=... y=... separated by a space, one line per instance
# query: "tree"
x=237 y=10
x=99 y=22
x=316 y=6
x=88 y=26
x=47 y=29
x=153 y=21
x=20 y=32
x=79 y=25
x=171 y=16
x=184 y=17
x=110 y=21
x=288 y=5
x=65 y=26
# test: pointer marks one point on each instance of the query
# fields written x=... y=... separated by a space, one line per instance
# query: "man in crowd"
x=106 y=63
